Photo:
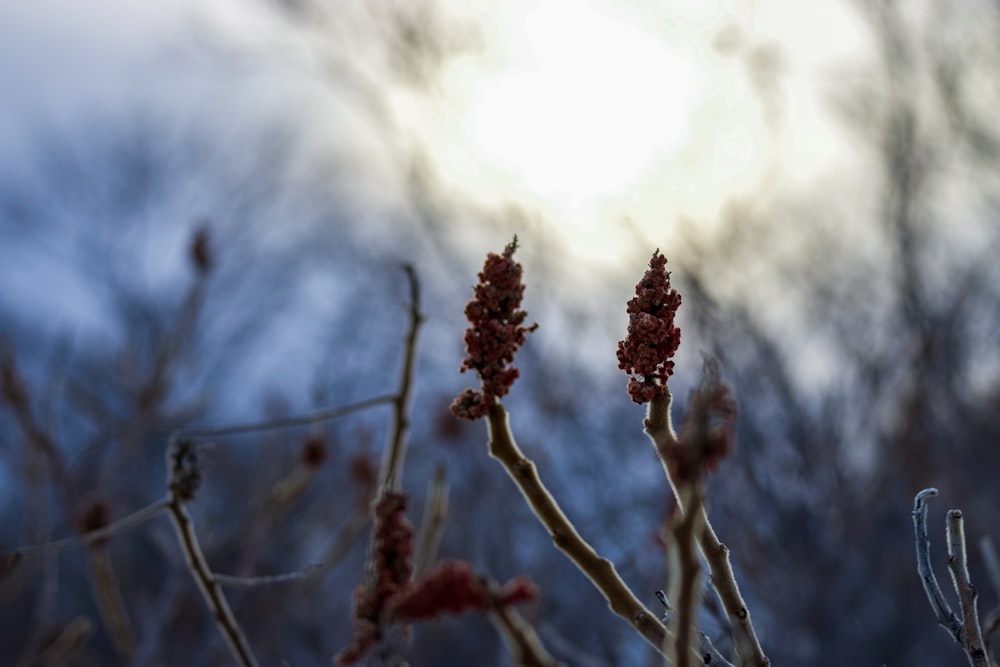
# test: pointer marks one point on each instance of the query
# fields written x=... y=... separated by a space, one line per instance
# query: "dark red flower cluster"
x=390 y=597
x=497 y=330
x=454 y=587
x=708 y=431
x=647 y=352
x=392 y=568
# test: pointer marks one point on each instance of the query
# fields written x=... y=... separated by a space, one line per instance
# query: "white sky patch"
x=591 y=113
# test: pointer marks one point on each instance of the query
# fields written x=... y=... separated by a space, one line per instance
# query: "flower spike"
x=647 y=352
x=496 y=331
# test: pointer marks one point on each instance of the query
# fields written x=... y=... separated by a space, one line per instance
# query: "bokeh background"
x=822 y=176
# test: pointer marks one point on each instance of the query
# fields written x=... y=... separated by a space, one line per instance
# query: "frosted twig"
x=964 y=630
x=943 y=613
x=660 y=430
x=600 y=571
x=972 y=640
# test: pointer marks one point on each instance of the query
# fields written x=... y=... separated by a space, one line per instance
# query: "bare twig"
x=964 y=630
x=660 y=430
x=943 y=613
x=184 y=475
x=600 y=571
x=392 y=462
x=967 y=595
x=325 y=414
x=432 y=525
x=131 y=521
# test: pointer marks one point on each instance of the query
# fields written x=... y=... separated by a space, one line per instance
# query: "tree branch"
x=660 y=430
x=967 y=595
x=392 y=463
x=600 y=571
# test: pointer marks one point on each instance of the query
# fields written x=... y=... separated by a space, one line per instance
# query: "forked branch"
x=965 y=629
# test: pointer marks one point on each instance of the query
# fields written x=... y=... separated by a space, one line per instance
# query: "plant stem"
x=600 y=571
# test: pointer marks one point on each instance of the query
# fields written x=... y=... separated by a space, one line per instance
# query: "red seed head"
x=495 y=333
x=647 y=352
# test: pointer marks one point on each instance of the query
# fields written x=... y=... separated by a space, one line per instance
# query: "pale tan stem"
x=660 y=430
x=600 y=571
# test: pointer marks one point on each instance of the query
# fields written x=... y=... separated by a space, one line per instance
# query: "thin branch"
x=268 y=580
x=183 y=479
x=966 y=630
x=685 y=579
x=709 y=655
x=660 y=430
x=125 y=523
x=943 y=613
x=967 y=595
x=432 y=526
x=392 y=464
x=600 y=571
x=325 y=414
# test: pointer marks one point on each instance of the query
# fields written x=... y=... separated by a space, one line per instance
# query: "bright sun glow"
x=587 y=113
x=588 y=102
